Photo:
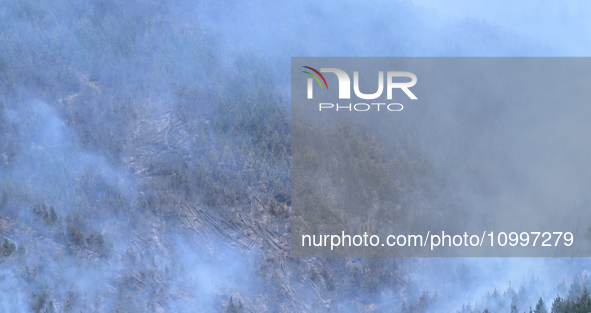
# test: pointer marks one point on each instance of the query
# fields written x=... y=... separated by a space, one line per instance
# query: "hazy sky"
x=553 y=22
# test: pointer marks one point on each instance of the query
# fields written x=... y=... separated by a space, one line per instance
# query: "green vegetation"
x=8 y=248
x=577 y=301
x=582 y=304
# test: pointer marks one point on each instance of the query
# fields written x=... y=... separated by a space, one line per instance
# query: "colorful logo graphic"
x=315 y=77
x=344 y=87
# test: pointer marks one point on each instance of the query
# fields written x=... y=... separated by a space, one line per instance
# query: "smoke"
x=554 y=23
x=144 y=157
x=64 y=261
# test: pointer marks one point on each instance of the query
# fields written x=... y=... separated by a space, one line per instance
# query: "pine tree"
x=540 y=307
x=513 y=307
x=50 y=308
x=575 y=291
x=558 y=306
x=8 y=248
x=232 y=308
x=21 y=251
x=52 y=215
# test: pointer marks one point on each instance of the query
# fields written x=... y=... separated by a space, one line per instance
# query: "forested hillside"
x=145 y=163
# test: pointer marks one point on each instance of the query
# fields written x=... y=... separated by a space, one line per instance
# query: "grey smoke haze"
x=146 y=123
x=486 y=147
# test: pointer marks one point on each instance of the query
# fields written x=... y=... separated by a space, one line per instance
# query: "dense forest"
x=145 y=154
x=576 y=300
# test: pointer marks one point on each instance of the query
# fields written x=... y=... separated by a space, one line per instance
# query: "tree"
x=513 y=307
x=540 y=307
x=232 y=308
x=575 y=291
x=8 y=248
x=52 y=215
x=21 y=251
x=50 y=308
x=76 y=236
x=558 y=306
x=584 y=296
